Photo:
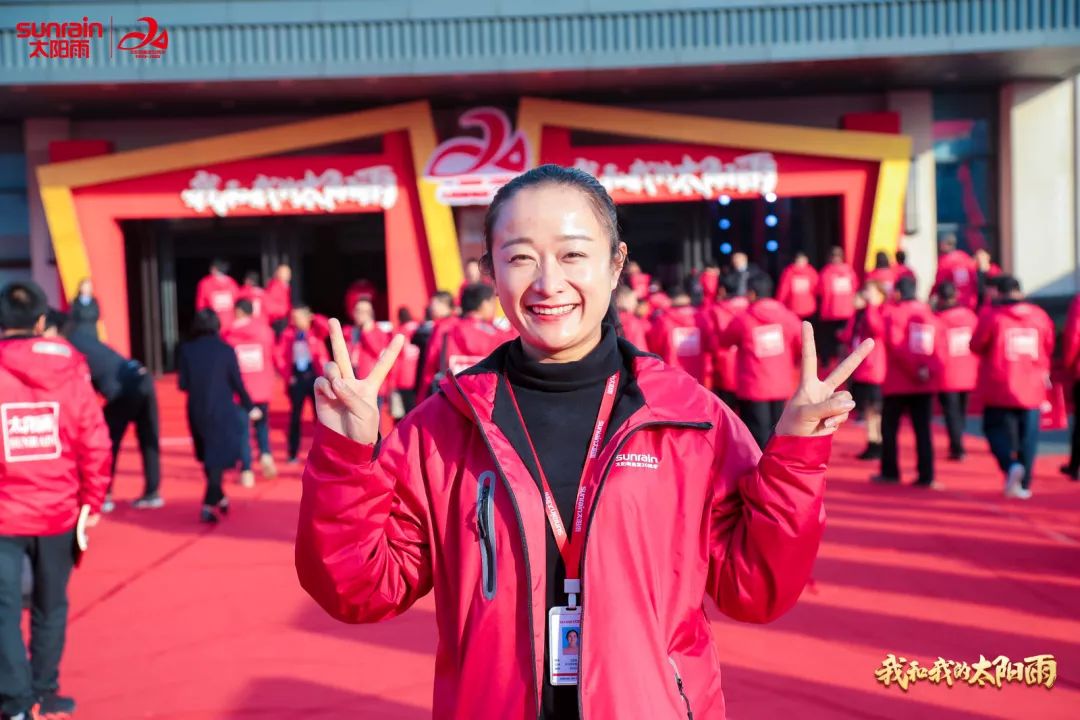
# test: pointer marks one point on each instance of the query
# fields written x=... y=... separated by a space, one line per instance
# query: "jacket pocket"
x=681 y=687
x=485 y=525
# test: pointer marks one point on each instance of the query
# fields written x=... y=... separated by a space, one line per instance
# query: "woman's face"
x=553 y=270
x=86 y=288
x=571 y=639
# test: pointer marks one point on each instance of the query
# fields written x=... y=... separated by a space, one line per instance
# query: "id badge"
x=564 y=644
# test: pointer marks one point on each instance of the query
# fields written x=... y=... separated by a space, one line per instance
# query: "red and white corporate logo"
x=637 y=460
x=470 y=170
x=150 y=44
x=31 y=431
x=72 y=40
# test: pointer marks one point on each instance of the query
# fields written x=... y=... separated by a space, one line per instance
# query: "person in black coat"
x=210 y=375
x=128 y=390
x=84 y=312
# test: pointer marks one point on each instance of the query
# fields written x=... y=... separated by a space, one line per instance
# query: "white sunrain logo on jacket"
x=637 y=460
x=31 y=431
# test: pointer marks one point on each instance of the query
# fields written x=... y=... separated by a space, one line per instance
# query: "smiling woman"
x=495 y=492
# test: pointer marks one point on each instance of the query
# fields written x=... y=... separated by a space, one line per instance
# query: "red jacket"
x=53 y=438
x=1071 y=340
x=691 y=510
x=886 y=277
x=277 y=300
x=253 y=341
x=912 y=342
x=364 y=349
x=960 y=367
x=720 y=316
x=798 y=289
x=900 y=271
x=836 y=285
x=257 y=296
x=679 y=335
x=959 y=268
x=458 y=343
x=219 y=293
x=284 y=352
x=868 y=323
x=769 y=340
x=404 y=372
x=433 y=356
x=1015 y=341
x=635 y=330
x=710 y=282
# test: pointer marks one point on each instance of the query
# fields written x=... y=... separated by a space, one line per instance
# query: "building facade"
x=364 y=140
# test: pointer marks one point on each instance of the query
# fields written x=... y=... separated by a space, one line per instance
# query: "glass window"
x=965 y=154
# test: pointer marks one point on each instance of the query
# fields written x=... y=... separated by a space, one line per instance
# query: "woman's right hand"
x=346 y=404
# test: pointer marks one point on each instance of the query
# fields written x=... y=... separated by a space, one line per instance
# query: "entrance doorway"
x=669 y=240
x=167 y=258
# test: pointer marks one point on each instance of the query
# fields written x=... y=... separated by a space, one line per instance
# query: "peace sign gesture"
x=816 y=408
x=348 y=405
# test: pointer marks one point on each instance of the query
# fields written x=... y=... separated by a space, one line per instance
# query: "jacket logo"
x=637 y=460
x=31 y=431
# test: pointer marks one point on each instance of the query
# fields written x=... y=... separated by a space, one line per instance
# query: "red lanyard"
x=571 y=547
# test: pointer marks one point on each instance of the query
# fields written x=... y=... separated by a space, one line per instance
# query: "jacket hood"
x=768 y=310
x=43 y=363
x=1016 y=309
x=670 y=394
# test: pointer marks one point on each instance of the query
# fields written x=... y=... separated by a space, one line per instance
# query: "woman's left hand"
x=817 y=409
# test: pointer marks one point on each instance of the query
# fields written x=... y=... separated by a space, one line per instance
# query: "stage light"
x=725 y=248
x=725 y=224
x=770 y=197
x=771 y=220
x=772 y=246
x=725 y=199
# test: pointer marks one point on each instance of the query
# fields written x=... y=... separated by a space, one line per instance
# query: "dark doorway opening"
x=167 y=258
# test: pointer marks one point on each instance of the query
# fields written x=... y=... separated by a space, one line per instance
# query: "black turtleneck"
x=559 y=403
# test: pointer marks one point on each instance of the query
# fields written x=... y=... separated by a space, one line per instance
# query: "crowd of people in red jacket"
x=735 y=333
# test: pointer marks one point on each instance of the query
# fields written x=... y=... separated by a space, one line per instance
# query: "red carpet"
x=173 y=620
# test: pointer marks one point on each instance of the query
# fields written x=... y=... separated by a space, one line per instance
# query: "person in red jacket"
x=278 y=299
x=729 y=304
x=365 y=339
x=253 y=341
x=901 y=269
x=300 y=356
x=883 y=273
x=799 y=287
x=912 y=371
x=475 y=495
x=710 y=281
x=869 y=322
x=218 y=292
x=441 y=314
x=985 y=271
x=1015 y=341
x=55 y=457
x=634 y=328
x=768 y=339
x=254 y=293
x=403 y=378
x=678 y=335
x=960 y=367
x=1071 y=363
x=837 y=284
x=640 y=281
x=957 y=267
x=474 y=336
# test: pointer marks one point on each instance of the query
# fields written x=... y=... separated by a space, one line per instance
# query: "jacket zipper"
x=682 y=688
x=485 y=525
x=521 y=534
x=588 y=526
